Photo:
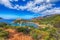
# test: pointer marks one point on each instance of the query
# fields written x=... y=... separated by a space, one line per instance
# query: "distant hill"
x=48 y=18
x=1 y=18
x=52 y=18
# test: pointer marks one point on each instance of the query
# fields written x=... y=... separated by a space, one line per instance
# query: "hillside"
x=48 y=29
x=53 y=18
x=48 y=19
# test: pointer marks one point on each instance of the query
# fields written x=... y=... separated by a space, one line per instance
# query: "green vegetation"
x=51 y=20
x=25 y=30
x=2 y=24
x=51 y=30
x=3 y=34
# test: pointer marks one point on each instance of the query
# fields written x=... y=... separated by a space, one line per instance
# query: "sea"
x=10 y=21
x=7 y=20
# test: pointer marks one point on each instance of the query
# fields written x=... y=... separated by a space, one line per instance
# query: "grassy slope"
x=52 y=19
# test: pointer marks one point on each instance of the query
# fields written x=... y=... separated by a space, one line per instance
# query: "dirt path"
x=13 y=35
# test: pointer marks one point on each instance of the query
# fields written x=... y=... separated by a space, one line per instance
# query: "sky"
x=28 y=9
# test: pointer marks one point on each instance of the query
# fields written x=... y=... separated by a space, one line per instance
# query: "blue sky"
x=27 y=9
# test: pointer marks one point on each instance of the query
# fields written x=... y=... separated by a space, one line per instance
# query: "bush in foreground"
x=23 y=29
x=3 y=33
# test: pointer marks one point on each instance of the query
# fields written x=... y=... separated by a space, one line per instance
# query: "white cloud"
x=52 y=11
x=14 y=0
x=32 y=6
x=6 y=3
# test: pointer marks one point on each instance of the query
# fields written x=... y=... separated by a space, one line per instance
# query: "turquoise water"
x=25 y=24
x=9 y=21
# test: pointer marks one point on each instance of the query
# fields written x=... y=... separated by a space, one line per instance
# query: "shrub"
x=2 y=24
x=45 y=29
x=35 y=33
x=35 y=36
x=57 y=24
x=3 y=33
x=23 y=29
